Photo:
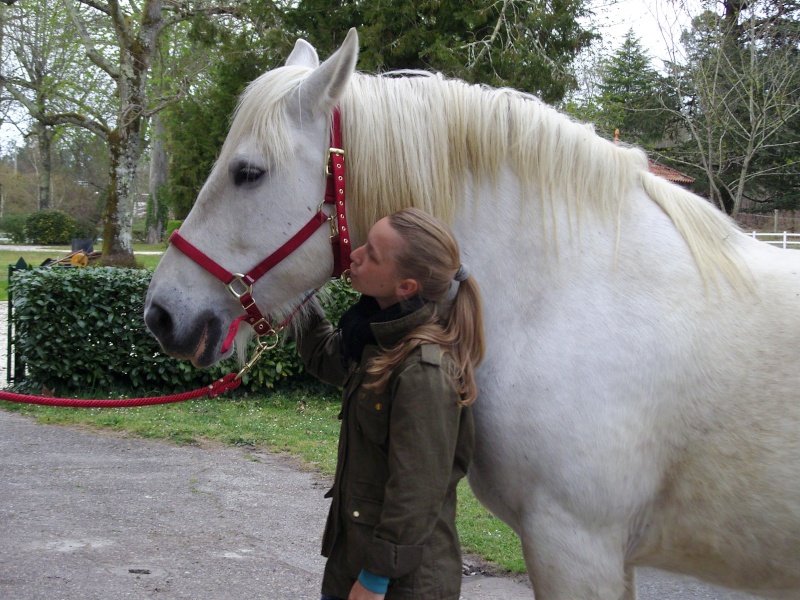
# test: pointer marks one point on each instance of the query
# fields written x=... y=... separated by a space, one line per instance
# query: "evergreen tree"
x=198 y=125
x=529 y=45
x=633 y=97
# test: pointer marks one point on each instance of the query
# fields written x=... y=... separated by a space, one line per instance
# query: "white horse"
x=639 y=401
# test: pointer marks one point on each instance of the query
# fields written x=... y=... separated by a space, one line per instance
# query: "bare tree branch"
x=87 y=41
x=487 y=43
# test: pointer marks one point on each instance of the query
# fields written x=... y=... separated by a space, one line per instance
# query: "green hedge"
x=50 y=227
x=82 y=331
x=14 y=227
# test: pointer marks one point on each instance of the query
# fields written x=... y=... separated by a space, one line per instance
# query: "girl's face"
x=372 y=270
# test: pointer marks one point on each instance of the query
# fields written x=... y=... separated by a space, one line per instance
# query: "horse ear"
x=304 y=55
x=324 y=87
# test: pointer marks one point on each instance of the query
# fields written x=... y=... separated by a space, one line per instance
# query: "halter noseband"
x=241 y=285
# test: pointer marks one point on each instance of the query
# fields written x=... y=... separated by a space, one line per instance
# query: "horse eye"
x=247 y=174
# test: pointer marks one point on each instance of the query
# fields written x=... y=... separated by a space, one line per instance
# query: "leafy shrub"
x=172 y=226
x=81 y=330
x=50 y=227
x=336 y=298
x=86 y=228
x=14 y=227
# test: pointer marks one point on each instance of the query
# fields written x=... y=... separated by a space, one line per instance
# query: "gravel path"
x=99 y=516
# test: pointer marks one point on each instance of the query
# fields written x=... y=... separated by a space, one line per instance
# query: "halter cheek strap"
x=335 y=195
x=241 y=285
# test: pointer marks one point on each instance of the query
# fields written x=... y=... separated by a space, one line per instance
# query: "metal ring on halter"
x=321 y=206
x=261 y=347
x=248 y=287
x=345 y=276
x=332 y=220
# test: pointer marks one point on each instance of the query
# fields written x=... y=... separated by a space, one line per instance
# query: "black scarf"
x=355 y=323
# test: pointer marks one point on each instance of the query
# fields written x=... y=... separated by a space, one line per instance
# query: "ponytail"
x=464 y=326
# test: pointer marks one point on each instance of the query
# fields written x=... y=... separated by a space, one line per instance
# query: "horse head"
x=269 y=180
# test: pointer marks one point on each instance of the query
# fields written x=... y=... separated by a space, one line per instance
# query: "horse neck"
x=523 y=245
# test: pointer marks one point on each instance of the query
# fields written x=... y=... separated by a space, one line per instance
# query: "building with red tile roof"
x=664 y=171
x=669 y=173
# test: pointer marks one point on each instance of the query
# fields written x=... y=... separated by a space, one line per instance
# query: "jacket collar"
x=389 y=333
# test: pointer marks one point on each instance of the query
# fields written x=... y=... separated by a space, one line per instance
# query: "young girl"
x=405 y=355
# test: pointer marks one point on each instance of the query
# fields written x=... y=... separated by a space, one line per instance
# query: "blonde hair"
x=430 y=255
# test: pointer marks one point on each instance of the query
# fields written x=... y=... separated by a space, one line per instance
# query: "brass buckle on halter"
x=248 y=288
x=345 y=276
x=338 y=151
x=261 y=347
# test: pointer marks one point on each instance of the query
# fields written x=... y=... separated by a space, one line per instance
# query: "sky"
x=657 y=23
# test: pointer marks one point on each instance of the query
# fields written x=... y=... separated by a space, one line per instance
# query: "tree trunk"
x=132 y=85
x=110 y=233
x=44 y=137
x=118 y=215
x=158 y=181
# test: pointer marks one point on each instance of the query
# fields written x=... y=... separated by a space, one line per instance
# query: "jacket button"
x=378 y=406
x=356 y=514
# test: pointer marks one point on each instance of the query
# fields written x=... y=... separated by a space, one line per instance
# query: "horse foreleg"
x=630 y=584
x=567 y=560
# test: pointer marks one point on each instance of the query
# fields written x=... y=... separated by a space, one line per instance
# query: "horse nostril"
x=159 y=321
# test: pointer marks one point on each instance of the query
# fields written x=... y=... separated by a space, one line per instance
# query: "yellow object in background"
x=79 y=259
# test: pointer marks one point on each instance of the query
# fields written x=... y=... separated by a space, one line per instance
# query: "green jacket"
x=401 y=454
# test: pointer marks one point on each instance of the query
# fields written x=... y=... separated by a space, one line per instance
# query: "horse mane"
x=415 y=138
x=427 y=134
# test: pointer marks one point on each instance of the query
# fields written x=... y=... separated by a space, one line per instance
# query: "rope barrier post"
x=229 y=382
x=10 y=315
x=15 y=369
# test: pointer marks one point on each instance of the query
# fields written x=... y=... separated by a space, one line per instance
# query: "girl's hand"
x=359 y=592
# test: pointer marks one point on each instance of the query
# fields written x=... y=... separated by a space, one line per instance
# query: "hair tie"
x=461 y=274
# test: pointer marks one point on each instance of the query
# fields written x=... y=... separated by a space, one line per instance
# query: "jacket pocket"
x=372 y=415
x=364 y=511
x=363 y=514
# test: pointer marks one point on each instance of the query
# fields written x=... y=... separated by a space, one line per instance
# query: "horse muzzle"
x=199 y=342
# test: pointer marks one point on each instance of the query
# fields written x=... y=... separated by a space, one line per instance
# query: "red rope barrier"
x=227 y=383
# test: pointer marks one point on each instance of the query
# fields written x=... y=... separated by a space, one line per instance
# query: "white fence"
x=784 y=240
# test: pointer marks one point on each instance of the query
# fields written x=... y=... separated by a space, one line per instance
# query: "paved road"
x=87 y=515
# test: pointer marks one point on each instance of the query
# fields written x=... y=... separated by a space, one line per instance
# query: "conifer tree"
x=633 y=97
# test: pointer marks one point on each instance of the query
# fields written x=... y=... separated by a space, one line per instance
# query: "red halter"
x=241 y=285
